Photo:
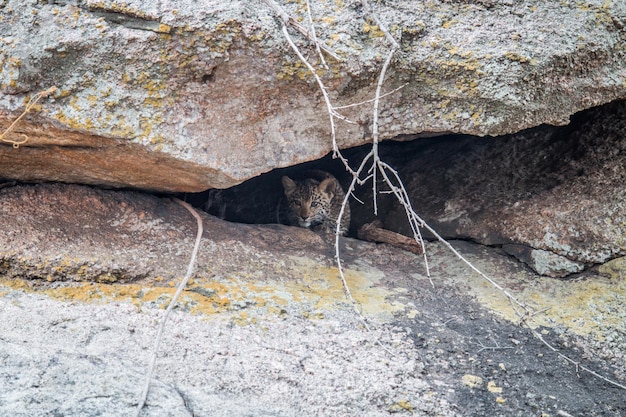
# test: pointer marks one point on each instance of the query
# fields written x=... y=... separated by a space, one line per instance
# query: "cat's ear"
x=327 y=187
x=289 y=185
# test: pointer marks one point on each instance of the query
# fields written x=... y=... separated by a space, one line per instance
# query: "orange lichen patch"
x=84 y=292
x=578 y=305
x=315 y=288
x=322 y=286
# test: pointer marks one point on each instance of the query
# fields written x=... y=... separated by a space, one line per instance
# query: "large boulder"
x=264 y=328
x=553 y=197
x=175 y=96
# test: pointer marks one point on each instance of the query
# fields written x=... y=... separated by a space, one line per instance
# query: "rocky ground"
x=274 y=335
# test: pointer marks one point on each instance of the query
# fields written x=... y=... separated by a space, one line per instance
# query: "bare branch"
x=375 y=134
x=181 y=287
x=29 y=105
x=492 y=348
x=380 y=24
x=379 y=86
x=350 y=190
x=329 y=106
x=573 y=362
x=414 y=220
x=288 y=20
x=313 y=36
x=372 y=99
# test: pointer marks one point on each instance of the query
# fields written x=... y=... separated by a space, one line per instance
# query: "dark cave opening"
x=497 y=191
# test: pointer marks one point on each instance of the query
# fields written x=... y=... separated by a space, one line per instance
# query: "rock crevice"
x=551 y=196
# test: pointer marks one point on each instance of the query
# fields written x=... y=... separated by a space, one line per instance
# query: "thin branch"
x=414 y=220
x=313 y=36
x=29 y=105
x=181 y=287
x=380 y=24
x=375 y=133
x=372 y=99
x=478 y=271
x=379 y=86
x=288 y=20
x=492 y=348
x=329 y=106
x=344 y=203
x=573 y=362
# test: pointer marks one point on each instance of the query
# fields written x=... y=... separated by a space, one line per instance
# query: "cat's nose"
x=305 y=213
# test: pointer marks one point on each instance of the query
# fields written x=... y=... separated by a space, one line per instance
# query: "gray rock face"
x=544 y=262
x=180 y=97
x=555 y=197
x=265 y=328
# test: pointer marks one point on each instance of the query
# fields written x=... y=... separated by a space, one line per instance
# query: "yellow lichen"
x=372 y=30
x=615 y=269
x=514 y=56
x=16 y=62
x=402 y=405
x=163 y=28
x=492 y=387
x=291 y=69
x=472 y=381
x=318 y=287
x=447 y=24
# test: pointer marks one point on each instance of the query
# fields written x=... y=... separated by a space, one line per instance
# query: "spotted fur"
x=315 y=202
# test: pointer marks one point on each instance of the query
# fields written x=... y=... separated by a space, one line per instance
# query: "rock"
x=544 y=262
x=614 y=269
x=265 y=328
x=558 y=192
x=176 y=97
x=77 y=222
x=553 y=197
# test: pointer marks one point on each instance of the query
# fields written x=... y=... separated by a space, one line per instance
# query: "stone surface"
x=544 y=262
x=264 y=328
x=176 y=96
x=554 y=197
x=559 y=192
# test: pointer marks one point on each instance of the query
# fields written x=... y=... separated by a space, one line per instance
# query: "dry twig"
x=492 y=348
x=374 y=232
x=313 y=36
x=181 y=287
x=288 y=20
x=29 y=105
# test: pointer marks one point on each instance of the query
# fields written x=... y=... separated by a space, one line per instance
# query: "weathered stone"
x=614 y=269
x=76 y=222
x=180 y=97
x=544 y=262
x=559 y=190
x=554 y=196
x=265 y=328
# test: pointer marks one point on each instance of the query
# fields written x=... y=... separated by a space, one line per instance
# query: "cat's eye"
x=314 y=203
x=296 y=203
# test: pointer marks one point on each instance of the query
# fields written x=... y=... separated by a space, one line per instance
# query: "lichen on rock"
x=215 y=88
